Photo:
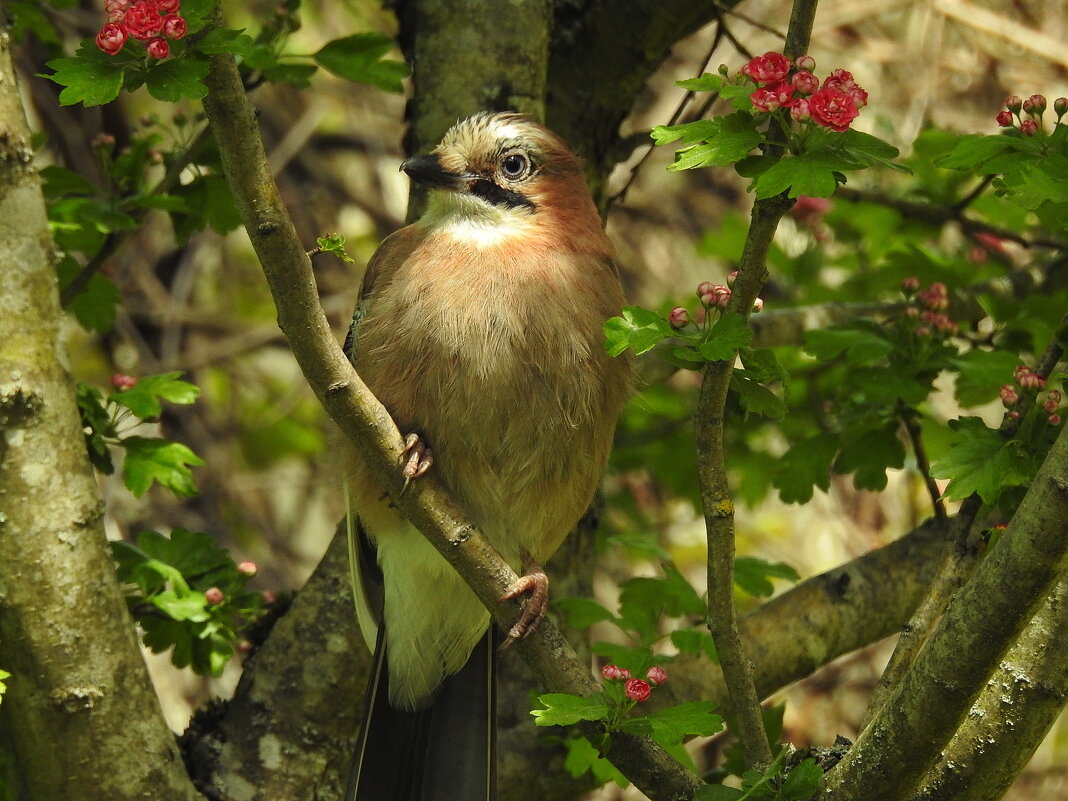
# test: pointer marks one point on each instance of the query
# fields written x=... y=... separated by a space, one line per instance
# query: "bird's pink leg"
x=535 y=582
x=416 y=457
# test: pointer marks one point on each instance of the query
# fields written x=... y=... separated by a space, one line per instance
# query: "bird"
x=480 y=329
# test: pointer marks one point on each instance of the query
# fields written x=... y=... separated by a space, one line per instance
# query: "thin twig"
x=912 y=428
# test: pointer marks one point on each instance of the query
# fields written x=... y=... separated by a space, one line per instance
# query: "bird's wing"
x=393 y=252
x=365 y=574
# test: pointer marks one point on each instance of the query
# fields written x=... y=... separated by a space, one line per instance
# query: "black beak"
x=427 y=170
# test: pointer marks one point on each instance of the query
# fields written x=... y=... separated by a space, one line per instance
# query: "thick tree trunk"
x=80 y=713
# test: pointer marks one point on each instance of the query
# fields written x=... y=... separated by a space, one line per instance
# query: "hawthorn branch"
x=711 y=457
x=909 y=731
x=362 y=418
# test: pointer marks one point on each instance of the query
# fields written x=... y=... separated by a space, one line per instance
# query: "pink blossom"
x=768 y=68
x=143 y=20
x=214 y=596
x=174 y=27
x=832 y=108
x=637 y=690
x=773 y=97
x=157 y=47
x=615 y=673
x=111 y=38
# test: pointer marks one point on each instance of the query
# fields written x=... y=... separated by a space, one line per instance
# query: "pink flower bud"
x=1054 y=419
x=157 y=47
x=214 y=596
x=732 y=276
x=704 y=288
x=111 y=38
x=807 y=63
x=168 y=6
x=247 y=568
x=805 y=82
x=244 y=646
x=174 y=27
x=1031 y=380
x=1013 y=104
x=615 y=673
x=772 y=97
x=910 y=285
x=269 y=597
x=708 y=299
x=656 y=676
x=103 y=141
x=912 y=311
x=922 y=330
x=637 y=690
x=1028 y=127
x=678 y=317
x=723 y=299
x=1008 y=395
x=1060 y=105
x=1004 y=119
x=1053 y=400
x=1020 y=371
x=1035 y=104
x=758 y=305
x=800 y=111
x=123 y=381
x=1014 y=415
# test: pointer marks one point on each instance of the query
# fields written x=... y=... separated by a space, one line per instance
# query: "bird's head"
x=503 y=171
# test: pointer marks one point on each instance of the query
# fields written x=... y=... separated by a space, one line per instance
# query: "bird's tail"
x=446 y=752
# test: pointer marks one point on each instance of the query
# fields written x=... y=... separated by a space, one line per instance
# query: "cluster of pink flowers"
x=150 y=21
x=1028 y=113
x=637 y=690
x=833 y=104
x=929 y=307
x=1026 y=378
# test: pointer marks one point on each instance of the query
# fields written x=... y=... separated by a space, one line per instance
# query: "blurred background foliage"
x=270 y=486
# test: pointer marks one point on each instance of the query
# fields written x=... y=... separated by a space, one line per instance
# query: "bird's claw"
x=536 y=583
x=416 y=457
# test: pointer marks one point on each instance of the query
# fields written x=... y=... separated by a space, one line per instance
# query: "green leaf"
x=973 y=151
x=175 y=78
x=334 y=243
x=359 y=58
x=562 y=709
x=97 y=426
x=981 y=460
x=868 y=456
x=191 y=553
x=143 y=398
x=755 y=397
x=728 y=139
x=709 y=82
x=582 y=757
x=694 y=641
x=802 y=781
x=806 y=465
x=644 y=598
x=688 y=132
x=155 y=460
x=724 y=339
x=752 y=575
x=814 y=174
x=297 y=75
x=860 y=346
x=717 y=792
x=60 y=182
x=980 y=374
x=581 y=613
x=639 y=329
x=672 y=724
x=225 y=40
x=88 y=79
x=636 y=660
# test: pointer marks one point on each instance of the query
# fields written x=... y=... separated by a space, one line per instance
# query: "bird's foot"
x=416 y=457
x=536 y=583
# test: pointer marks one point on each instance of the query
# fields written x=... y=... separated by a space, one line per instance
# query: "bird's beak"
x=427 y=170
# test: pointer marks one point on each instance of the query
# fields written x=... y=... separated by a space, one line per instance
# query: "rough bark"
x=80 y=712
x=983 y=620
x=1012 y=715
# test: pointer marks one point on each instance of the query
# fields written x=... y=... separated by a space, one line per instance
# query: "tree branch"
x=909 y=731
x=348 y=401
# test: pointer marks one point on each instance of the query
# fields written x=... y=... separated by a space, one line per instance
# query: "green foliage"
x=3 y=687
x=109 y=421
x=777 y=783
x=360 y=58
x=187 y=595
x=333 y=243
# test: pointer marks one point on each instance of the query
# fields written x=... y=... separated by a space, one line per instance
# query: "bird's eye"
x=515 y=166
